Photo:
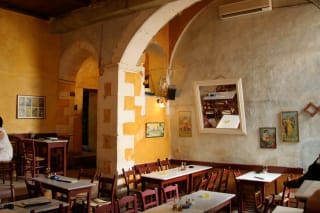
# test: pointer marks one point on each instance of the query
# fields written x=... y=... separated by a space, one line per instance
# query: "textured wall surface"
x=277 y=55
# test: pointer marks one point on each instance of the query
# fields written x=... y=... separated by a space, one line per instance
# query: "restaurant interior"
x=218 y=98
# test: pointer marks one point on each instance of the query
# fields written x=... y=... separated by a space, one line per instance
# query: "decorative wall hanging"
x=268 y=138
x=185 y=124
x=31 y=106
x=289 y=126
x=154 y=129
x=220 y=106
x=311 y=109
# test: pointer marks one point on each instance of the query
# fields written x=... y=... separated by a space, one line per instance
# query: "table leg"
x=65 y=159
x=49 y=157
x=88 y=201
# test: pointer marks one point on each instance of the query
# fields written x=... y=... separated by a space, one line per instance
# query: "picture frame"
x=185 y=124
x=29 y=106
x=289 y=126
x=220 y=106
x=154 y=129
x=268 y=137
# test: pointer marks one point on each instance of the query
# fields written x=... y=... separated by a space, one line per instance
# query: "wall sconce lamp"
x=162 y=101
x=165 y=92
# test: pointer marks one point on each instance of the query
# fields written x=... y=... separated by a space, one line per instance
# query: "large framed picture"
x=220 y=106
x=268 y=137
x=31 y=106
x=289 y=126
x=154 y=129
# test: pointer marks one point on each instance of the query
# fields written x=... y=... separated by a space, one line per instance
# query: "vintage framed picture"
x=154 y=129
x=289 y=126
x=185 y=124
x=268 y=137
x=31 y=106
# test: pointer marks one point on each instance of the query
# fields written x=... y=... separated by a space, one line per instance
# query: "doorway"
x=89 y=120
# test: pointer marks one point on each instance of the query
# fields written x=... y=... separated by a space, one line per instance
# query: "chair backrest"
x=127 y=204
x=7 y=192
x=130 y=179
x=203 y=184
x=29 y=150
x=212 y=181
x=105 y=208
x=153 y=167
x=170 y=193
x=285 y=194
x=258 y=201
x=268 y=204
x=149 y=198
x=224 y=179
x=88 y=173
x=164 y=164
x=312 y=205
x=107 y=188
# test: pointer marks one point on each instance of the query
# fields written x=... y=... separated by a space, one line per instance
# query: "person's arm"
x=1 y=137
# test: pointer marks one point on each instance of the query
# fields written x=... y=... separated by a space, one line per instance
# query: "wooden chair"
x=133 y=185
x=33 y=189
x=223 y=181
x=170 y=193
x=259 y=202
x=6 y=169
x=106 y=191
x=212 y=181
x=283 y=198
x=153 y=167
x=149 y=198
x=203 y=184
x=127 y=204
x=17 y=155
x=32 y=162
x=164 y=164
x=7 y=192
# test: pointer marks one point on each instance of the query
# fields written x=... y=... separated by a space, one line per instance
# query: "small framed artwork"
x=31 y=106
x=185 y=124
x=268 y=137
x=289 y=126
x=154 y=129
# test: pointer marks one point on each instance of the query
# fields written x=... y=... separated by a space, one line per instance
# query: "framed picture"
x=154 y=129
x=268 y=137
x=185 y=124
x=31 y=106
x=220 y=106
x=289 y=126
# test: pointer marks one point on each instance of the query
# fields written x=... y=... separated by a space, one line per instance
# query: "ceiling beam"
x=101 y=11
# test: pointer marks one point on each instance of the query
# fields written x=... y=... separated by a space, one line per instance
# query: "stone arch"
x=72 y=59
x=129 y=63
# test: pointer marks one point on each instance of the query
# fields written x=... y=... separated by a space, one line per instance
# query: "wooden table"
x=203 y=201
x=69 y=189
x=51 y=145
x=284 y=209
x=19 y=206
x=258 y=181
x=174 y=175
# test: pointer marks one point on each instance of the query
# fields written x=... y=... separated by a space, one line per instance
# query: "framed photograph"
x=220 y=106
x=31 y=106
x=185 y=124
x=268 y=137
x=154 y=129
x=289 y=126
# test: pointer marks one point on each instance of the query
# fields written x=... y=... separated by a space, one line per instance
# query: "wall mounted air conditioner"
x=244 y=7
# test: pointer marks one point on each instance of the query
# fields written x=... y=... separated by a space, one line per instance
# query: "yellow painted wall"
x=29 y=66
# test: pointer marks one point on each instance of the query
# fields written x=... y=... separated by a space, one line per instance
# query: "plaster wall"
x=277 y=55
x=27 y=68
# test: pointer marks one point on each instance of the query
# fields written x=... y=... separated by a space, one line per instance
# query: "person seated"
x=313 y=173
x=6 y=150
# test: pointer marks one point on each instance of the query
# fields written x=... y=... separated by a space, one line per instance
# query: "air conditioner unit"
x=244 y=7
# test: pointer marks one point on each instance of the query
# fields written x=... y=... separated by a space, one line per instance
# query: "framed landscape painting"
x=289 y=126
x=268 y=137
x=154 y=129
x=29 y=106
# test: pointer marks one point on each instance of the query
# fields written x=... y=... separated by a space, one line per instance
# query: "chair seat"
x=98 y=202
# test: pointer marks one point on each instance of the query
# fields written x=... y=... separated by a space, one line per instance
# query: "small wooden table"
x=284 y=209
x=203 y=201
x=307 y=188
x=53 y=144
x=259 y=181
x=174 y=175
x=67 y=188
x=44 y=204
